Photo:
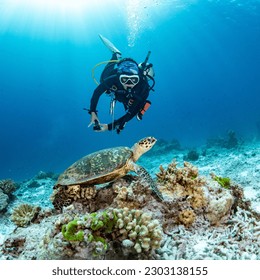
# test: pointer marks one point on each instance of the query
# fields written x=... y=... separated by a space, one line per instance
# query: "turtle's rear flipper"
x=110 y=45
x=142 y=172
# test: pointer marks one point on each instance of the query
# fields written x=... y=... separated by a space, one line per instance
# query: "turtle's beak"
x=147 y=142
x=152 y=140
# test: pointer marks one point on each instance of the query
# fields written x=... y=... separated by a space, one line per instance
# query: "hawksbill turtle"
x=108 y=165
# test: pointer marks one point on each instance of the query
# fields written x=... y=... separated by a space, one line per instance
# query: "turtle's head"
x=143 y=146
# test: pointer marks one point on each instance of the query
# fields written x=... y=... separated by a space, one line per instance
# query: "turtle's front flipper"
x=142 y=172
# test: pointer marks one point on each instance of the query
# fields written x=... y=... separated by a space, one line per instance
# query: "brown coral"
x=132 y=196
x=64 y=196
x=182 y=183
x=8 y=186
x=187 y=217
x=24 y=214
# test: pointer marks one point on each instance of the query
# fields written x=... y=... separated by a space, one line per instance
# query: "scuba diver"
x=126 y=82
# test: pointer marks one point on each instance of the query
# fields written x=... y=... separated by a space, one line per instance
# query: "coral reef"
x=135 y=229
x=187 y=217
x=179 y=183
x=192 y=155
x=4 y=199
x=132 y=196
x=125 y=220
x=64 y=196
x=164 y=146
x=112 y=233
x=229 y=142
x=24 y=214
x=7 y=187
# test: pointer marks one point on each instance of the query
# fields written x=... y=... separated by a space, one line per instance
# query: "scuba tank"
x=147 y=70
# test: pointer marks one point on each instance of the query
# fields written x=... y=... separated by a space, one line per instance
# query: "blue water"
x=206 y=56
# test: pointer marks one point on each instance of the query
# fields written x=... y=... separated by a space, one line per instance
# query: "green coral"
x=70 y=231
x=224 y=182
x=101 y=240
x=105 y=220
x=133 y=228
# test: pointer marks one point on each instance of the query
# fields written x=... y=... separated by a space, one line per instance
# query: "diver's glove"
x=119 y=128
x=100 y=127
x=93 y=119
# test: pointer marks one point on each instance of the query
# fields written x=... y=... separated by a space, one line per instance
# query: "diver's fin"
x=109 y=45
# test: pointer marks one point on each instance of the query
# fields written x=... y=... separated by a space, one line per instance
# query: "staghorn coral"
x=64 y=196
x=24 y=214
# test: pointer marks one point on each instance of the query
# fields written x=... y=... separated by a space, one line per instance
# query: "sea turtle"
x=107 y=165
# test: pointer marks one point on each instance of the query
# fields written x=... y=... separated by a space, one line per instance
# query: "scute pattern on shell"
x=95 y=165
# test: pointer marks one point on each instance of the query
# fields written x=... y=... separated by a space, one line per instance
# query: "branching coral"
x=24 y=214
x=144 y=232
x=133 y=228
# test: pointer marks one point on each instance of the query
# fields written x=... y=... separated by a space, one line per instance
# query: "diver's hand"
x=93 y=119
x=102 y=127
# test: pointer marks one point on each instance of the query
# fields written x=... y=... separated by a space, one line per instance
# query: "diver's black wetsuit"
x=133 y=99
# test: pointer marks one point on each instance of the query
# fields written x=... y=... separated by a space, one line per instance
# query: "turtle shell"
x=97 y=168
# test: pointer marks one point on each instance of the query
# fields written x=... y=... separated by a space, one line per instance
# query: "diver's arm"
x=121 y=122
x=95 y=97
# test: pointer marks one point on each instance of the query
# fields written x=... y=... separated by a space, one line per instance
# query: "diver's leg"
x=109 y=68
x=110 y=46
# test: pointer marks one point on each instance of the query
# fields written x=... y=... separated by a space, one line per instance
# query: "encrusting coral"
x=24 y=214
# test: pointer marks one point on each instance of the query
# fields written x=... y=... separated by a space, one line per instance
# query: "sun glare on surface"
x=52 y=17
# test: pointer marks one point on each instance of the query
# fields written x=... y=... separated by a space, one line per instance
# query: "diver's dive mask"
x=129 y=80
